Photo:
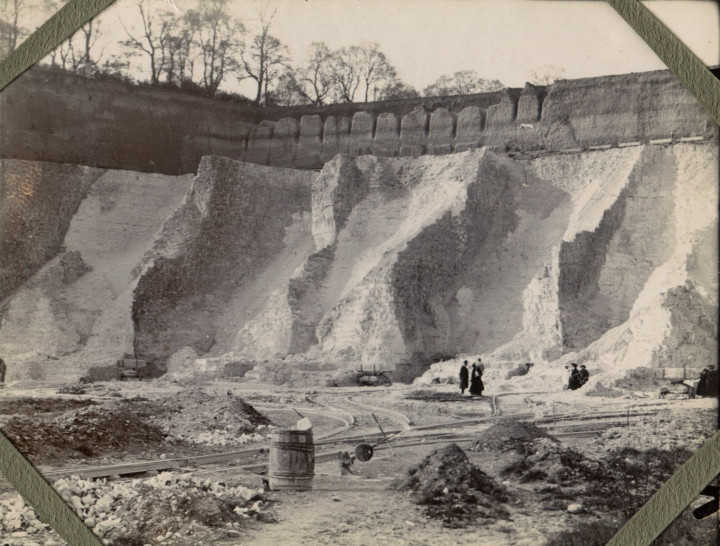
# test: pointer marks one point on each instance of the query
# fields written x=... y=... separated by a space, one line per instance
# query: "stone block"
x=387 y=137
x=336 y=138
x=470 y=126
x=528 y=110
x=411 y=150
x=361 y=134
x=673 y=373
x=258 y=146
x=413 y=131
x=502 y=112
x=442 y=131
x=284 y=143
x=309 y=147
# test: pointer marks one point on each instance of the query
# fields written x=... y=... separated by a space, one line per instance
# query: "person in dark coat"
x=464 y=376
x=476 y=384
x=574 y=382
x=584 y=375
x=3 y=369
x=708 y=383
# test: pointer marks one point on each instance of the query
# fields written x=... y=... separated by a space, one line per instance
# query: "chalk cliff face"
x=86 y=231
x=606 y=256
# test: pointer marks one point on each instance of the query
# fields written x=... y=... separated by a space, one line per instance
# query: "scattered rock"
x=141 y=511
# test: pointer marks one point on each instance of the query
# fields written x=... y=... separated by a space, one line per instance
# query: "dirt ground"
x=367 y=506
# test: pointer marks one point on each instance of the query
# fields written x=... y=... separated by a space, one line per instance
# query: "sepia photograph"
x=343 y=272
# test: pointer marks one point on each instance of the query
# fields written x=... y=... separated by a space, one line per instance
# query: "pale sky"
x=500 y=39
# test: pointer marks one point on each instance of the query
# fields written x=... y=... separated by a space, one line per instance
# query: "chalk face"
x=442 y=130
x=413 y=133
x=284 y=143
x=361 y=133
x=309 y=147
x=387 y=139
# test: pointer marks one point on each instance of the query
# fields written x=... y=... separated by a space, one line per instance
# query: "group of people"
x=472 y=378
x=577 y=377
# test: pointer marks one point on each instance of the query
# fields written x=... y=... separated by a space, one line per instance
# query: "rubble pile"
x=167 y=508
x=47 y=430
x=666 y=430
x=452 y=489
x=547 y=460
x=629 y=477
x=510 y=435
x=82 y=433
x=200 y=418
x=277 y=397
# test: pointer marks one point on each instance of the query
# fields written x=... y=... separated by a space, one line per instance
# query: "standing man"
x=464 y=377
x=2 y=372
x=584 y=375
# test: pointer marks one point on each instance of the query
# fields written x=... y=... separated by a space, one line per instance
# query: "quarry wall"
x=53 y=116
x=605 y=257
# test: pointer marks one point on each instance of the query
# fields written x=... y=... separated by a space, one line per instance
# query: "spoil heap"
x=200 y=418
x=167 y=508
x=87 y=432
x=454 y=490
x=510 y=435
x=666 y=430
x=131 y=426
x=545 y=459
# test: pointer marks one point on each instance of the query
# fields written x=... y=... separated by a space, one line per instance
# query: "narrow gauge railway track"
x=413 y=436
x=347 y=402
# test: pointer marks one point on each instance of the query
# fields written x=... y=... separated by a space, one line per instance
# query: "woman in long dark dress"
x=476 y=384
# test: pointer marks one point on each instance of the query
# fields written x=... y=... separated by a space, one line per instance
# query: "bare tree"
x=11 y=32
x=346 y=73
x=153 y=37
x=89 y=34
x=219 y=38
x=361 y=68
x=395 y=89
x=546 y=74
x=264 y=59
x=464 y=82
x=314 y=81
x=180 y=51
x=375 y=70
x=287 y=91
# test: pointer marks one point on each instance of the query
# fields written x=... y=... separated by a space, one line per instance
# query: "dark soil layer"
x=452 y=489
x=427 y=395
x=32 y=406
x=83 y=433
x=510 y=435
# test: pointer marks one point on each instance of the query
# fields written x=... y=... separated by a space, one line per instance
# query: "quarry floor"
x=367 y=507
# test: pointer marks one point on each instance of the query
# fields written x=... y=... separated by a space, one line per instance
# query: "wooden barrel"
x=292 y=460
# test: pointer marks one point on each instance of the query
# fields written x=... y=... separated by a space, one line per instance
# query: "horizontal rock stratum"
x=608 y=255
x=51 y=115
